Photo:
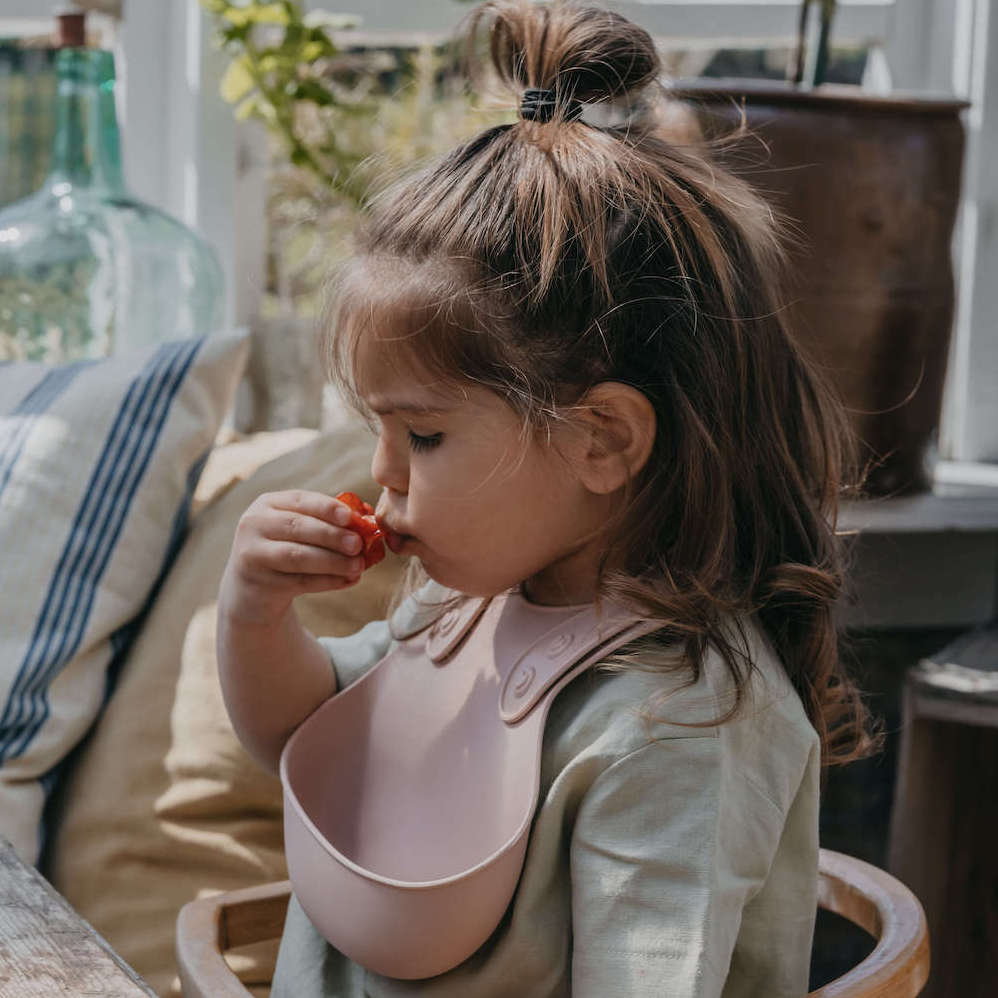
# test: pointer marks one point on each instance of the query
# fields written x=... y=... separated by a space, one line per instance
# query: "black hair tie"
x=540 y=105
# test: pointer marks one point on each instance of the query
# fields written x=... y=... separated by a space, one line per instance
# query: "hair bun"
x=578 y=51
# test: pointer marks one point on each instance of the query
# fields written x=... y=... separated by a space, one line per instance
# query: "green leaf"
x=319 y=37
x=237 y=81
x=248 y=108
x=271 y=13
x=312 y=50
x=241 y=17
x=329 y=21
x=362 y=109
x=235 y=34
x=312 y=90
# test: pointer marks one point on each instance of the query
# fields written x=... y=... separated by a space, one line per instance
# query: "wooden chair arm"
x=898 y=967
x=206 y=928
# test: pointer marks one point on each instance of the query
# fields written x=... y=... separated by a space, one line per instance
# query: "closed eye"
x=416 y=442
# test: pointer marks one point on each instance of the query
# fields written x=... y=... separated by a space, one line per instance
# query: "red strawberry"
x=363 y=522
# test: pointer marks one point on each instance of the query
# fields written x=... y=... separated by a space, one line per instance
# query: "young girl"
x=570 y=334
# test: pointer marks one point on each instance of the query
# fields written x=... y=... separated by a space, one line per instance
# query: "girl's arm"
x=688 y=882
x=273 y=676
x=273 y=672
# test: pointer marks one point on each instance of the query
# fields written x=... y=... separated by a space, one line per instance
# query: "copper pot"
x=873 y=184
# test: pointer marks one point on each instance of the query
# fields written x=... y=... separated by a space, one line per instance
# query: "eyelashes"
x=417 y=443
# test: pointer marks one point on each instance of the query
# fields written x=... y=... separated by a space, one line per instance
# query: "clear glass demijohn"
x=85 y=268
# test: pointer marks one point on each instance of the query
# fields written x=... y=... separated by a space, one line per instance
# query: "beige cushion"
x=164 y=804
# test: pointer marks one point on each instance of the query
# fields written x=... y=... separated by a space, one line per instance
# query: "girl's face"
x=483 y=507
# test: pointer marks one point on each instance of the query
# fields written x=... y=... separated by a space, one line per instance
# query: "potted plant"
x=339 y=119
x=870 y=185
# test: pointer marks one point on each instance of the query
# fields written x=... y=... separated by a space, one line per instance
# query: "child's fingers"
x=299 y=528
x=315 y=504
x=292 y=559
x=263 y=559
x=324 y=583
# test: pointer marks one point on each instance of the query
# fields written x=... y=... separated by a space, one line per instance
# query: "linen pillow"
x=98 y=463
x=164 y=804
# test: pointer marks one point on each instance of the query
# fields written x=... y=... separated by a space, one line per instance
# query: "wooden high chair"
x=865 y=895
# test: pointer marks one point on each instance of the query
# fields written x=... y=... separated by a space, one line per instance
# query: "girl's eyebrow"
x=384 y=407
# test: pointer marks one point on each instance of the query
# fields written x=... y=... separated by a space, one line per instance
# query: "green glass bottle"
x=85 y=268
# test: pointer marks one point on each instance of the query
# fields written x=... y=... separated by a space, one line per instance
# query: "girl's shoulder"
x=617 y=709
x=648 y=668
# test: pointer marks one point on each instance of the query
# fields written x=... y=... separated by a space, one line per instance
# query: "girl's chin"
x=451 y=577
x=397 y=542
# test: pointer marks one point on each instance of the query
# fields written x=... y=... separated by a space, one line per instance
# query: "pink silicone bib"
x=409 y=795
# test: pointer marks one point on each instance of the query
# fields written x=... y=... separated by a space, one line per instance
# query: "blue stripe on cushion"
x=114 y=496
x=21 y=420
x=122 y=638
x=82 y=533
x=97 y=526
x=132 y=457
x=112 y=487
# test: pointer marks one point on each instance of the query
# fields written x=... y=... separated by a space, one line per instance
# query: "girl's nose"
x=389 y=468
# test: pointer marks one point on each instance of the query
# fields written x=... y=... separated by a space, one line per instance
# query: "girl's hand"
x=287 y=544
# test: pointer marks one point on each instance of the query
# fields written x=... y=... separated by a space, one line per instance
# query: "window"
x=184 y=152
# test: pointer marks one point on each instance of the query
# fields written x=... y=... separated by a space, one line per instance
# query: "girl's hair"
x=541 y=258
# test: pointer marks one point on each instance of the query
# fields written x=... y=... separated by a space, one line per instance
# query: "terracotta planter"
x=873 y=183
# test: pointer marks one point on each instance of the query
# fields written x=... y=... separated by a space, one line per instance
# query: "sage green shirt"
x=664 y=861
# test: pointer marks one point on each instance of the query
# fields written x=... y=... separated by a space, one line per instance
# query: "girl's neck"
x=558 y=590
x=571 y=581
x=529 y=597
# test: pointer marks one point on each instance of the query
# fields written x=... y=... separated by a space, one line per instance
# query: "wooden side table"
x=944 y=823
x=46 y=949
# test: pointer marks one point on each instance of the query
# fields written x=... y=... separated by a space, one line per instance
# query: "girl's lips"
x=393 y=539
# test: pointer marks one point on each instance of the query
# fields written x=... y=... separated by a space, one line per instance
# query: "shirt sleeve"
x=355 y=654
x=652 y=913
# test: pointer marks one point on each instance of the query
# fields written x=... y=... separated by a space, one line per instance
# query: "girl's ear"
x=618 y=432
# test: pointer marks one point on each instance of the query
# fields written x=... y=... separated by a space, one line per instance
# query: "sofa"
x=151 y=801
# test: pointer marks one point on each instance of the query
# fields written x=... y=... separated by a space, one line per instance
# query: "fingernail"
x=341 y=515
x=352 y=544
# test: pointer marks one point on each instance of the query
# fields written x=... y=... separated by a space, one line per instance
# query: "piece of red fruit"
x=354 y=501
x=374 y=551
x=362 y=521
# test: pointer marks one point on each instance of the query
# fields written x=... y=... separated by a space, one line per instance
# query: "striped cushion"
x=98 y=463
